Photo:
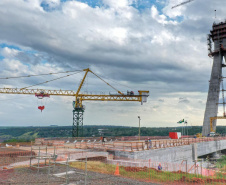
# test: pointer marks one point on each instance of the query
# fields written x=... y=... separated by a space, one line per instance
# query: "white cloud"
x=116 y=4
x=14 y=65
x=145 y=49
x=155 y=15
x=8 y=52
x=173 y=13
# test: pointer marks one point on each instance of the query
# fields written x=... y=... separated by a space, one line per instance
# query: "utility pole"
x=186 y=126
x=139 y=127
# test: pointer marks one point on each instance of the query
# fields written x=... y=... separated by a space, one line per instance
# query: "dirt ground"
x=27 y=176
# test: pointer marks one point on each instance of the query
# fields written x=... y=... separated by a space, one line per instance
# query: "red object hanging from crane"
x=41 y=95
x=41 y=108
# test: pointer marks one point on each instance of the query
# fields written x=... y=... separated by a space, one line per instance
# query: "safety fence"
x=152 y=172
x=34 y=154
x=143 y=145
x=55 y=141
x=43 y=165
x=195 y=168
x=63 y=165
x=124 y=146
x=13 y=156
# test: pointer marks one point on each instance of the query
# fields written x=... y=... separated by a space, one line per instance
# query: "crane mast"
x=78 y=108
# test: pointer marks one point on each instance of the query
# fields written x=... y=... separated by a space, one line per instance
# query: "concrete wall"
x=175 y=154
x=210 y=147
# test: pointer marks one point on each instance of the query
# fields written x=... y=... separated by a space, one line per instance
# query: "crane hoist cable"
x=26 y=76
x=115 y=82
x=52 y=80
x=104 y=77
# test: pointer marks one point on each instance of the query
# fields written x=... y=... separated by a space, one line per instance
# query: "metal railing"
x=142 y=145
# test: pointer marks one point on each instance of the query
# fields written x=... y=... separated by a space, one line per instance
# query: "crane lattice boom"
x=93 y=97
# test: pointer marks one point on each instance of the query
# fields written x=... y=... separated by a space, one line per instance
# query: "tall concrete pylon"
x=218 y=36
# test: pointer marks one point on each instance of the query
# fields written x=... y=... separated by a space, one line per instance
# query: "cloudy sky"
x=132 y=44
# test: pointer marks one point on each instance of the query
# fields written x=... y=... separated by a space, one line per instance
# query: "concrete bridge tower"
x=218 y=37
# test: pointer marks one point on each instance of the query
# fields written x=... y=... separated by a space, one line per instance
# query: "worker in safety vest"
x=149 y=142
x=159 y=166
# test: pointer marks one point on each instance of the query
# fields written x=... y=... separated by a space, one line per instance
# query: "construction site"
x=179 y=158
x=114 y=161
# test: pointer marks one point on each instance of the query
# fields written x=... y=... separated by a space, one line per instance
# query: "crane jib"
x=94 y=97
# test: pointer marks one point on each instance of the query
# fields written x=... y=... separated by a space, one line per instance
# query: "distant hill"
x=30 y=133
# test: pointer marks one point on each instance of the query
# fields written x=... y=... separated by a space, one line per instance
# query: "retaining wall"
x=174 y=154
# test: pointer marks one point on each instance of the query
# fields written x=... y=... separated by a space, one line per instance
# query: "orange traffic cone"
x=117 y=170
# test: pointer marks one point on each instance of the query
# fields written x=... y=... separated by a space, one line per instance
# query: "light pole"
x=186 y=126
x=139 y=127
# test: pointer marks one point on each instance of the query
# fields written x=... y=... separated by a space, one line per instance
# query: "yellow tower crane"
x=78 y=108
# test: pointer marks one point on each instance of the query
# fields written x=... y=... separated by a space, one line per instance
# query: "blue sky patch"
x=145 y=4
x=3 y=45
x=139 y=4
x=179 y=18
x=47 y=7
x=1 y=57
x=92 y=3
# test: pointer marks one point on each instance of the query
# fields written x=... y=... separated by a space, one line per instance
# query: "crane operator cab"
x=130 y=93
